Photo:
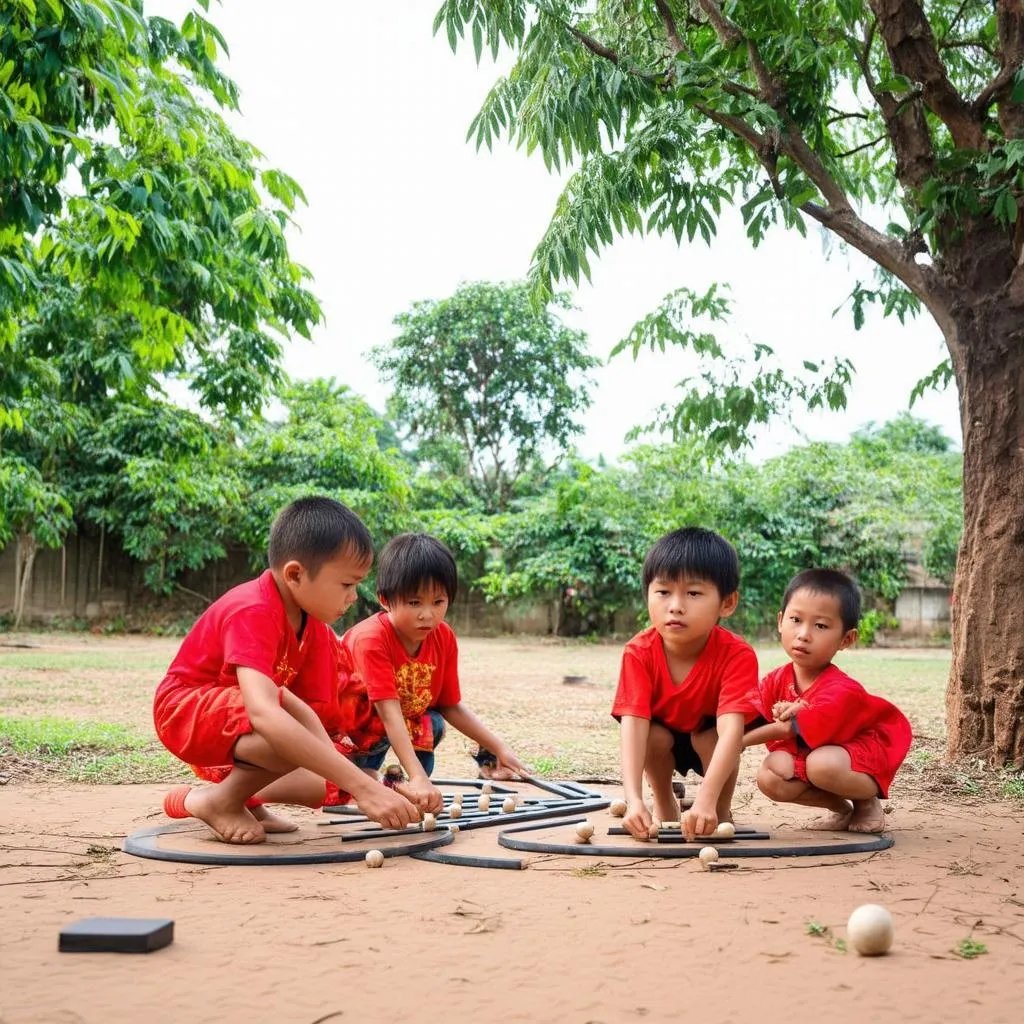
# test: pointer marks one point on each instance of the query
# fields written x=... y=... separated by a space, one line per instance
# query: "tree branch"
x=904 y=120
x=1010 y=26
x=671 y=31
x=772 y=91
x=863 y=145
x=591 y=43
x=912 y=49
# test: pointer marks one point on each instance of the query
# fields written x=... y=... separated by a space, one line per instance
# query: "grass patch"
x=97 y=752
x=113 y=660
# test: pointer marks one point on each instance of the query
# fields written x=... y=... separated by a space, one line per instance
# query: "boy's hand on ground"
x=424 y=794
x=638 y=820
x=699 y=820
x=506 y=759
x=387 y=807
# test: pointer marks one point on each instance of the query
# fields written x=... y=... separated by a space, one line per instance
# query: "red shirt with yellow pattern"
x=382 y=669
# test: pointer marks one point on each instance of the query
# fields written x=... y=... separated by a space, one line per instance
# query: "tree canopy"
x=488 y=383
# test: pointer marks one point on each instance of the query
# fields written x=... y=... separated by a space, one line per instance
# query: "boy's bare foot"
x=272 y=823
x=867 y=816
x=230 y=823
x=836 y=821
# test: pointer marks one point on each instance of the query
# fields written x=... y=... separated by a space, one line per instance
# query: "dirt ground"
x=570 y=939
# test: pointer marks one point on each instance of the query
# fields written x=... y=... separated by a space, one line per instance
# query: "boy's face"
x=684 y=611
x=811 y=627
x=331 y=593
x=416 y=615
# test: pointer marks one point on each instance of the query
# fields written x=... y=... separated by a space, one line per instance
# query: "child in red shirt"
x=404 y=685
x=833 y=744
x=684 y=687
x=227 y=696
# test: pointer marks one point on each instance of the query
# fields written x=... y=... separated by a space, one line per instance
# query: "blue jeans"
x=374 y=757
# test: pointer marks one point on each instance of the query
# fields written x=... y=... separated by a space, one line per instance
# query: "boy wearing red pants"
x=227 y=698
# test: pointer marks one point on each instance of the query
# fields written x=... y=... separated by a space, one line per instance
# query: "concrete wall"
x=923 y=610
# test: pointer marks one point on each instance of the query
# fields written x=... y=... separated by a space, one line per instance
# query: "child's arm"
x=297 y=737
x=633 y=735
x=702 y=818
x=420 y=789
x=458 y=716
x=769 y=732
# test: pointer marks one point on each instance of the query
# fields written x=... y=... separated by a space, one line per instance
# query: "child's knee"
x=660 y=740
x=828 y=767
x=770 y=782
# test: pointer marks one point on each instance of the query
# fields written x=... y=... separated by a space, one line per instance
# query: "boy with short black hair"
x=832 y=744
x=405 y=681
x=227 y=697
x=684 y=688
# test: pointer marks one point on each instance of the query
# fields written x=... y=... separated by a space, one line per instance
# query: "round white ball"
x=484 y=803
x=508 y=805
x=584 y=830
x=870 y=930
x=486 y=788
x=457 y=799
x=726 y=830
x=374 y=859
x=708 y=855
x=617 y=808
x=429 y=822
x=455 y=811
x=453 y=827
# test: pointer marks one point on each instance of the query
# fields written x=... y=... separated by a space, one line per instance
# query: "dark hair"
x=411 y=560
x=693 y=551
x=312 y=531
x=832 y=583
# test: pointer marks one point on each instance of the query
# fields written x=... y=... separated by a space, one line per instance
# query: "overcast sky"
x=368 y=111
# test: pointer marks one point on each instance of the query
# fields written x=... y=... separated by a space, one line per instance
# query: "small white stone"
x=486 y=788
x=484 y=803
x=617 y=808
x=508 y=805
x=429 y=822
x=455 y=811
x=457 y=799
x=374 y=859
x=584 y=830
x=708 y=855
x=726 y=830
x=453 y=827
x=671 y=825
x=870 y=930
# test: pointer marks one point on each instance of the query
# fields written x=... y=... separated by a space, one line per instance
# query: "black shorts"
x=685 y=757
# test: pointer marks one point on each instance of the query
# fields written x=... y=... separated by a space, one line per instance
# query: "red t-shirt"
x=720 y=682
x=840 y=709
x=382 y=665
x=248 y=627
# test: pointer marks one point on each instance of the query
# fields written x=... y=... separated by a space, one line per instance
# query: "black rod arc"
x=465 y=860
x=144 y=844
x=511 y=841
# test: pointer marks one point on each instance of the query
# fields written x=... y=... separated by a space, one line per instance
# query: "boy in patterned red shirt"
x=684 y=688
x=228 y=699
x=404 y=683
x=833 y=744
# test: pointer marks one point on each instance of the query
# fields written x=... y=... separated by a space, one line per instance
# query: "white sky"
x=369 y=111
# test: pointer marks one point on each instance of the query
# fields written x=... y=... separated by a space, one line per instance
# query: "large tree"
x=140 y=240
x=488 y=382
x=897 y=127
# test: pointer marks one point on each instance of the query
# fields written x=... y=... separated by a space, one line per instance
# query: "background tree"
x=141 y=240
x=488 y=383
x=897 y=129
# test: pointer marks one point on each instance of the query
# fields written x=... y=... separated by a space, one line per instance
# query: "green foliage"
x=487 y=383
x=970 y=949
x=668 y=113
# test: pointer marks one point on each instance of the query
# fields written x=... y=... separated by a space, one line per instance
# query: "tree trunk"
x=985 y=695
x=23 y=573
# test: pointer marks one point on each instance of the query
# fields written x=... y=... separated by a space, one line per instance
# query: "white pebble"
x=726 y=830
x=455 y=811
x=870 y=930
x=584 y=830
x=374 y=859
x=617 y=808
x=508 y=805
x=708 y=855
x=457 y=799
x=429 y=822
x=453 y=827
x=486 y=788
x=671 y=824
x=484 y=803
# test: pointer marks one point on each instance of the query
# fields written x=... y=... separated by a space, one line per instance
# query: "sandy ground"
x=569 y=939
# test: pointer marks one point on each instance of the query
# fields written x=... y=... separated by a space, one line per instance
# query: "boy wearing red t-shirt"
x=833 y=744
x=227 y=697
x=684 y=687
x=404 y=684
